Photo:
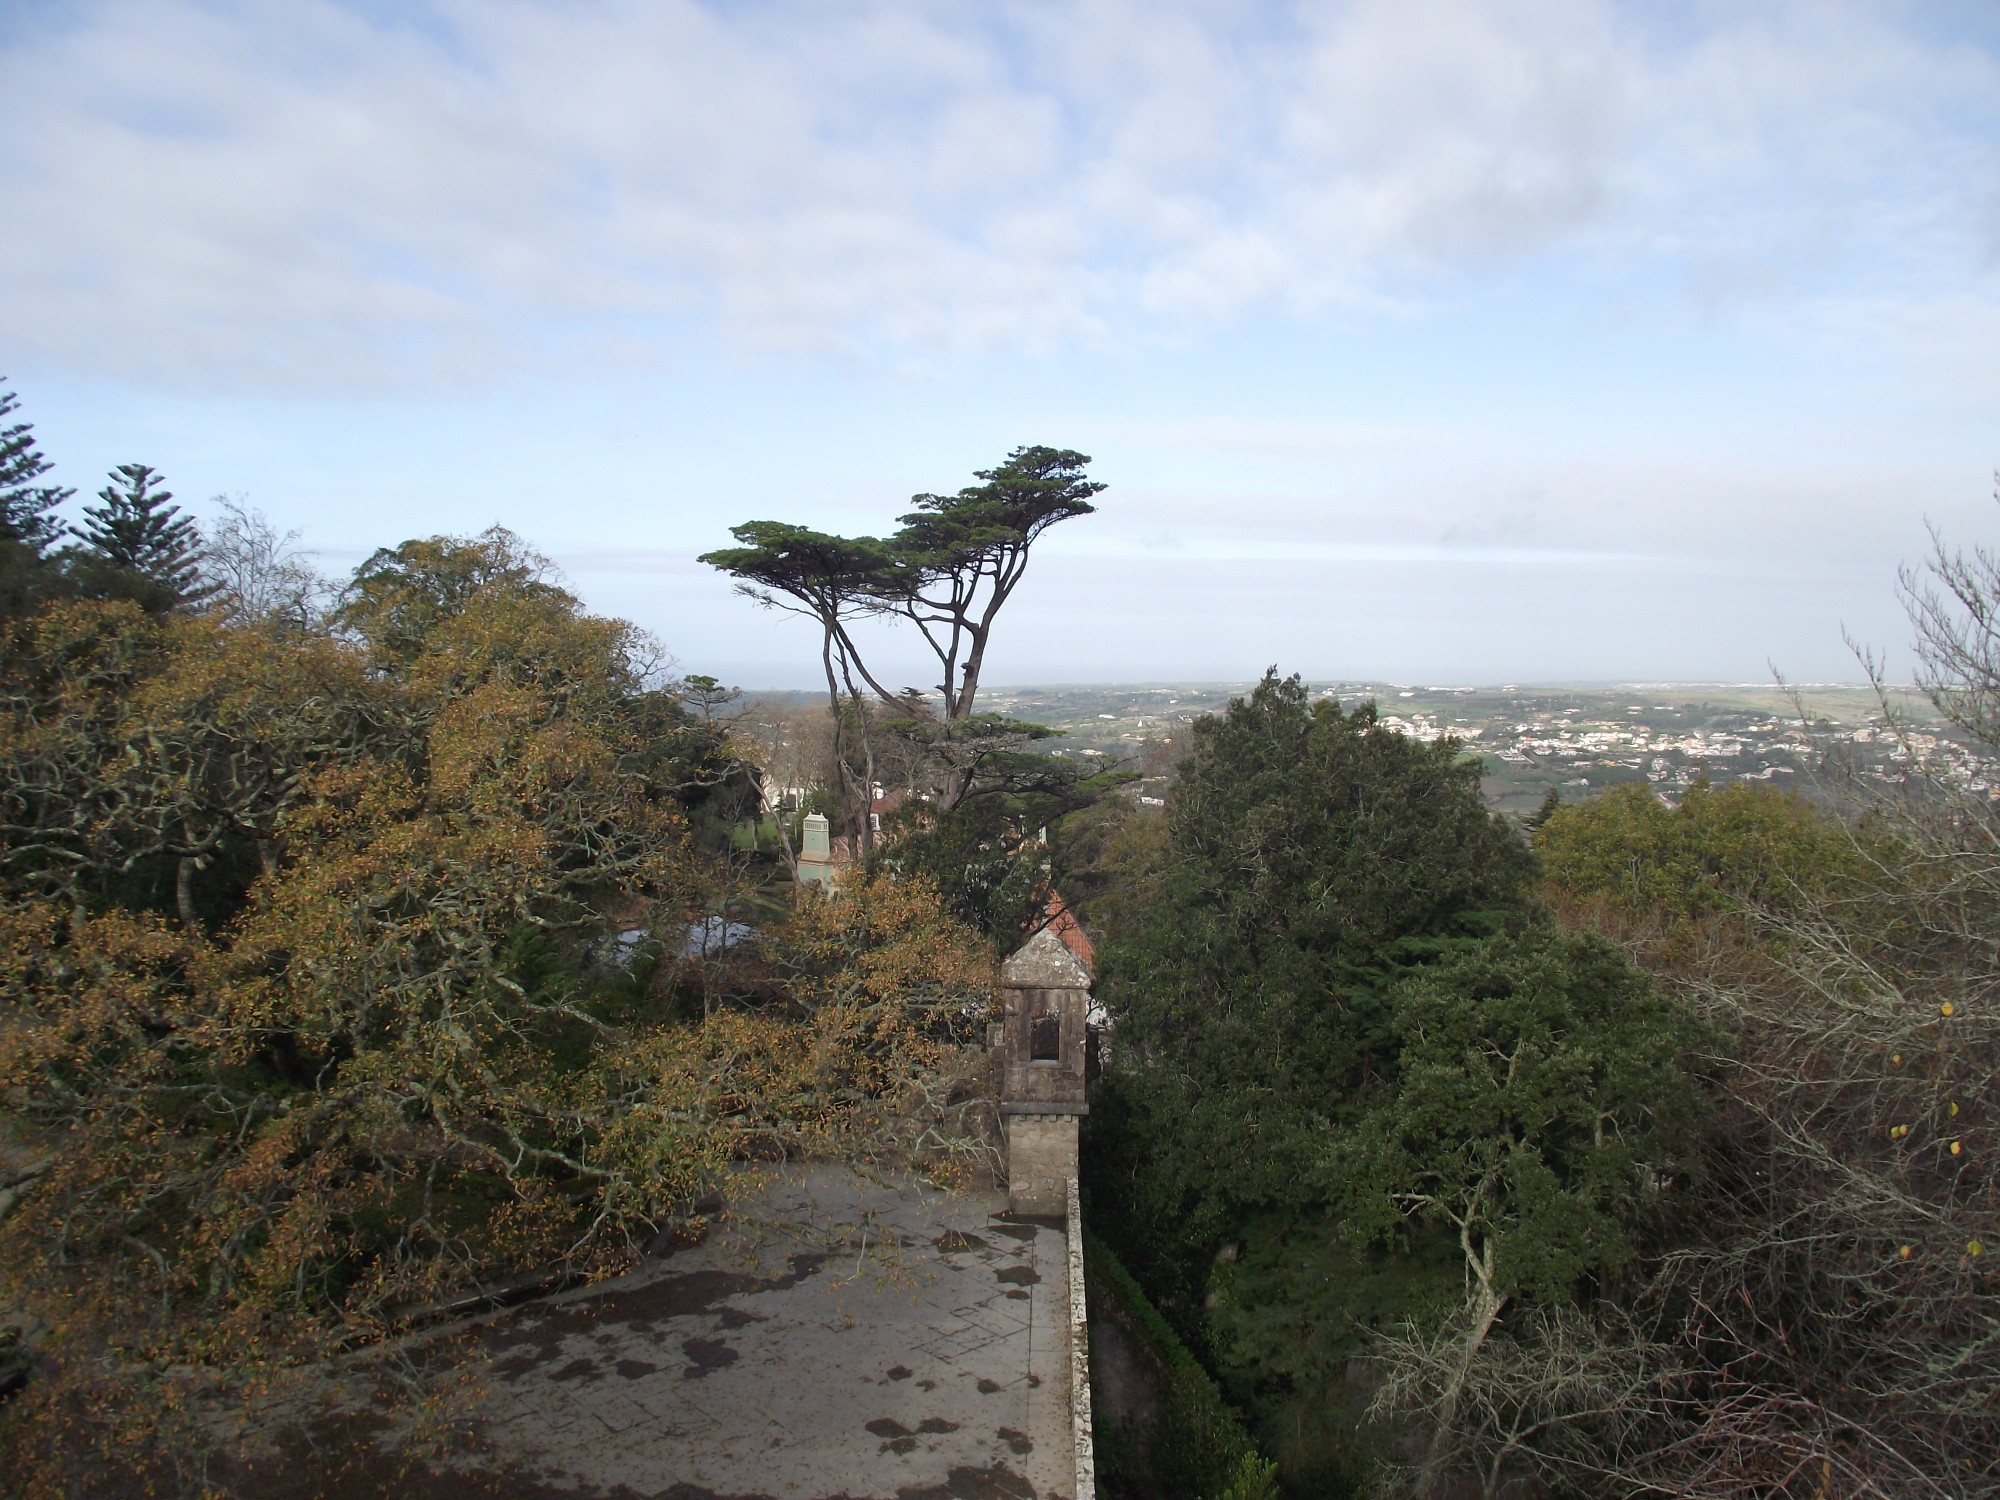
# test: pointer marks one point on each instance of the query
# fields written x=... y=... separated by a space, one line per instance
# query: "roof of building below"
x=1063 y=923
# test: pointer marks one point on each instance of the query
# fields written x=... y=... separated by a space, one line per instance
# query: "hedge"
x=1196 y=1446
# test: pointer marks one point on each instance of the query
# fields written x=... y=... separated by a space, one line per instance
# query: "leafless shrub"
x=1560 y=1399
x=257 y=573
x=1840 y=1310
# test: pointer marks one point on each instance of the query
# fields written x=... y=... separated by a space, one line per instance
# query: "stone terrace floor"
x=836 y=1335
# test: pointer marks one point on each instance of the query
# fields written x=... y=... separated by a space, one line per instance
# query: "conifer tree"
x=137 y=546
x=27 y=529
x=25 y=506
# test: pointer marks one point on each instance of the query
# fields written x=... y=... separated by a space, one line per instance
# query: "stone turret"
x=1042 y=1045
x=820 y=855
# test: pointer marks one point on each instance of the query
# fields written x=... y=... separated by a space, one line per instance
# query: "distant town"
x=1574 y=738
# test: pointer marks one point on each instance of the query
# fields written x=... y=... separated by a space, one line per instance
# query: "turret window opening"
x=1044 y=1037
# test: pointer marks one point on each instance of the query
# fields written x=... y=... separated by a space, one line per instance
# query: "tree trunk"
x=843 y=776
x=957 y=783
x=866 y=833
x=778 y=816
x=184 y=892
x=1486 y=1309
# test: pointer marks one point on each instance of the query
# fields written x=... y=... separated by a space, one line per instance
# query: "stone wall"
x=1082 y=1430
x=1041 y=1160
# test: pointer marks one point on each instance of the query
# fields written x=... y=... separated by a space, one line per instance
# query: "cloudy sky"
x=1421 y=340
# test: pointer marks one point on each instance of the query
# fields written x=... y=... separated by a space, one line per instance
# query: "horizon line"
x=1604 y=684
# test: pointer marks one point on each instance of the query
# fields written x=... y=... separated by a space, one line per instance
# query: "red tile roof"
x=1060 y=920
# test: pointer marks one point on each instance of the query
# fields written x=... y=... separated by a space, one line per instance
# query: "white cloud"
x=310 y=195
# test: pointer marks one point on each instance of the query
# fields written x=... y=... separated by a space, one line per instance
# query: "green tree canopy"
x=948 y=570
x=1313 y=856
x=1542 y=1096
x=1544 y=1102
x=830 y=580
x=960 y=556
x=28 y=525
x=1720 y=850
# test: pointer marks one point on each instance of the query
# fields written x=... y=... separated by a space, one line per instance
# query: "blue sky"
x=1436 y=340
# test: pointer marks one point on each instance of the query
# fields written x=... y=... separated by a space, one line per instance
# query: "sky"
x=1430 y=341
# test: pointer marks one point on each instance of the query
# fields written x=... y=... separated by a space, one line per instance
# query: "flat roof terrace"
x=836 y=1336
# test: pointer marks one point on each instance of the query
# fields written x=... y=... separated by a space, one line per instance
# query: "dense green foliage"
x=1348 y=1039
x=27 y=505
x=29 y=526
x=1453 y=1195
x=1312 y=858
x=1713 y=854
x=1293 y=1299
x=1539 y=1108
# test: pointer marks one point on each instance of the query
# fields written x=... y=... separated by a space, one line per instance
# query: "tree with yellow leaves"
x=303 y=988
